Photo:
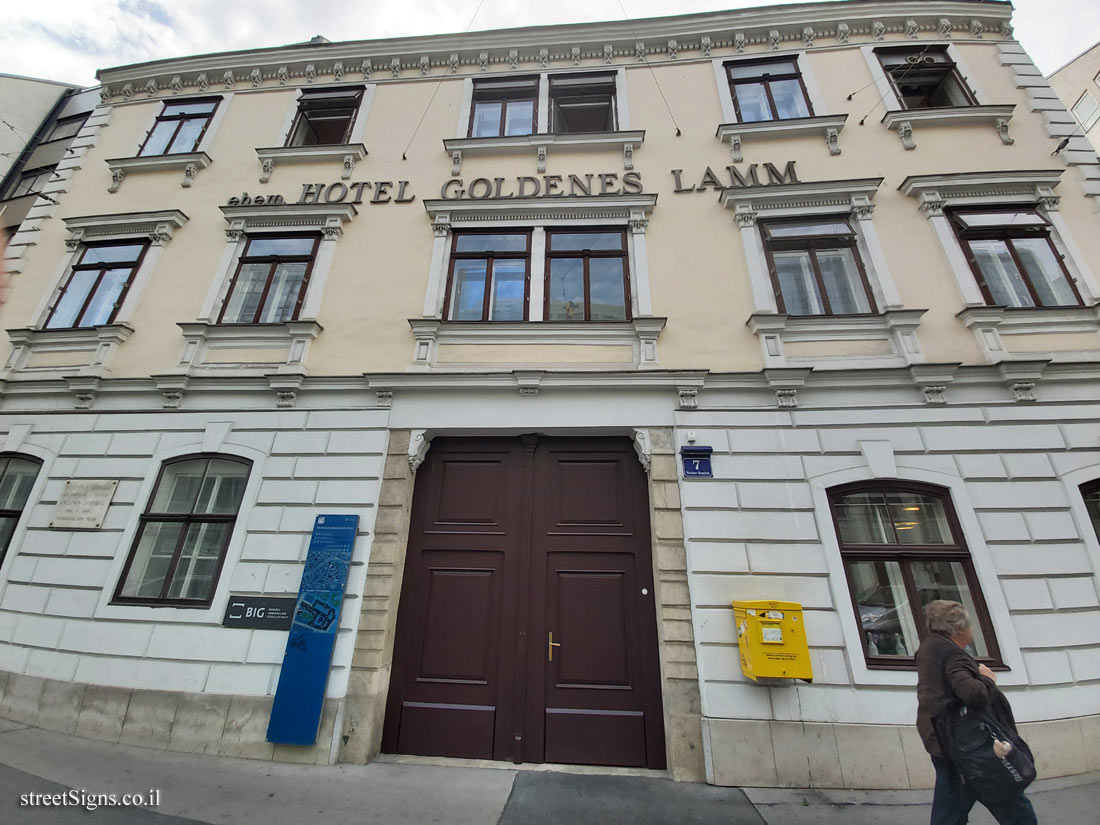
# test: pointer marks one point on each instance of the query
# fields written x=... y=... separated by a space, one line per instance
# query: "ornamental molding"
x=419 y=442
x=100 y=342
x=902 y=120
x=626 y=141
x=514 y=380
x=935 y=192
x=828 y=126
x=347 y=155
x=618 y=208
x=789 y=199
x=1027 y=320
x=291 y=339
x=897 y=326
x=320 y=216
x=188 y=162
x=656 y=40
x=157 y=227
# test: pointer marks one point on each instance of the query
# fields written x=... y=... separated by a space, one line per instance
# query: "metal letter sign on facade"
x=260 y=612
x=83 y=505
x=696 y=461
x=300 y=696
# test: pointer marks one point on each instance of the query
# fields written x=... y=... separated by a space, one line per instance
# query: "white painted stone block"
x=135 y=444
x=830 y=667
x=267 y=647
x=1049 y=630
x=358 y=441
x=772 y=495
x=1016 y=495
x=992 y=438
x=823 y=628
x=1085 y=663
x=809 y=591
x=708 y=493
x=300 y=443
x=72 y=571
x=1047 y=667
x=846 y=439
x=73 y=603
x=188 y=677
x=279 y=467
x=87 y=444
x=1003 y=525
x=25 y=598
x=1028 y=465
x=777 y=440
x=283 y=578
x=1052 y=526
x=38 y=631
x=123 y=638
x=21 y=568
x=363 y=492
x=718 y=556
x=105 y=543
x=210 y=643
x=13 y=658
x=1082 y=436
x=1027 y=594
x=1074 y=592
x=111 y=468
x=51 y=664
x=247 y=577
x=777 y=467
x=46 y=542
x=787 y=558
x=333 y=466
x=736 y=701
x=263 y=518
x=715 y=625
x=273 y=546
x=1040 y=560
x=239 y=680
x=347 y=419
x=288 y=492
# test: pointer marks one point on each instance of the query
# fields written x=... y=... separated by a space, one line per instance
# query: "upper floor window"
x=768 y=90
x=1014 y=258
x=586 y=275
x=179 y=127
x=489 y=277
x=582 y=103
x=66 y=127
x=184 y=532
x=1091 y=493
x=1087 y=110
x=504 y=107
x=816 y=268
x=97 y=285
x=17 y=475
x=902 y=548
x=325 y=116
x=271 y=278
x=31 y=182
x=924 y=78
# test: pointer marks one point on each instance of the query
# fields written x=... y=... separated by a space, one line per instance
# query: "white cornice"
x=955 y=183
x=595 y=207
x=828 y=126
x=525 y=49
x=347 y=154
x=325 y=216
x=804 y=198
x=189 y=162
x=157 y=226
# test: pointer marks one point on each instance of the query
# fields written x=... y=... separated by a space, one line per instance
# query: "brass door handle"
x=550 y=645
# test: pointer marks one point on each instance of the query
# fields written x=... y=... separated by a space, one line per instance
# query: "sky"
x=68 y=40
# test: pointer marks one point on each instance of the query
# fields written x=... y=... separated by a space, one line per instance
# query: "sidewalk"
x=213 y=789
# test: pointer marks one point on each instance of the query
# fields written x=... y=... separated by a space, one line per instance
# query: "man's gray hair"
x=946 y=618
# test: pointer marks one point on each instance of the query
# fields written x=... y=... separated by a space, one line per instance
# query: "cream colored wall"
x=696 y=262
x=1077 y=77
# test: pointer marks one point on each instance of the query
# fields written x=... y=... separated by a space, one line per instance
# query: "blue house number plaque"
x=696 y=462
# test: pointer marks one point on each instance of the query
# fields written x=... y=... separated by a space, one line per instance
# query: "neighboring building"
x=1077 y=83
x=41 y=119
x=481 y=290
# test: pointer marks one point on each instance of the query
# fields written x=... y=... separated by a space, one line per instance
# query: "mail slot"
x=771 y=637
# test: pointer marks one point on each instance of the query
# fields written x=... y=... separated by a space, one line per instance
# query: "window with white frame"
x=770 y=89
x=180 y=126
x=924 y=77
x=489 y=276
x=502 y=107
x=1014 y=258
x=17 y=477
x=582 y=103
x=1086 y=110
x=270 y=282
x=97 y=285
x=325 y=116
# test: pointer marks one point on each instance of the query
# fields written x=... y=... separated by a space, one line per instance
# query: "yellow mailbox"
x=772 y=639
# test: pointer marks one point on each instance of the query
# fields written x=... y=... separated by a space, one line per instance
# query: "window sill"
x=348 y=154
x=991 y=324
x=895 y=327
x=91 y=347
x=235 y=347
x=828 y=126
x=639 y=334
x=189 y=162
x=902 y=120
x=625 y=141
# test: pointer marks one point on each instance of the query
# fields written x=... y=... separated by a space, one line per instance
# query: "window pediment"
x=327 y=217
x=158 y=226
x=976 y=188
x=509 y=211
x=799 y=199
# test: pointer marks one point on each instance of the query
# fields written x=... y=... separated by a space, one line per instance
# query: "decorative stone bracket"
x=347 y=154
x=643 y=448
x=286 y=387
x=829 y=126
x=419 y=442
x=1021 y=376
x=458 y=148
x=902 y=120
x=932 y=380
x=786 y=381
x=190 y=163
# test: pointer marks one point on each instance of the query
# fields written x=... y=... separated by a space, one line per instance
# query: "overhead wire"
x=652 y=73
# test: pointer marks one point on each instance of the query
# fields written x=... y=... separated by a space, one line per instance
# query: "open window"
x=1013 y=257
x=325 y=117
x=582 y=103
x=180 y=546
x=902 y=548
x=924 y=78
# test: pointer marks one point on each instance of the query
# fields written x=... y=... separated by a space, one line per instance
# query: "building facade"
x=495 y=294
x=1077 y=83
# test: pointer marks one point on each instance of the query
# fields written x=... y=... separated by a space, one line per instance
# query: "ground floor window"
x=1091 y=492
x=902 y=548
x=17 y=475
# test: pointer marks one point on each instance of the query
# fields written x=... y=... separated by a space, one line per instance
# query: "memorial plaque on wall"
x=83 y=504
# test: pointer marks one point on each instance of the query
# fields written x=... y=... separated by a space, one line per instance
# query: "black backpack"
x=968 y=737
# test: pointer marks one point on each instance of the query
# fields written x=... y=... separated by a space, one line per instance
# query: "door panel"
x=511 y=540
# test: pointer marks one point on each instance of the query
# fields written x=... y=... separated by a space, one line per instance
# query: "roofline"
x=73 y=86
x=829 y=11
x=1074 y=59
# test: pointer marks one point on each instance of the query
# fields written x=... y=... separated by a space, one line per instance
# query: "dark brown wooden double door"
x=526 y=629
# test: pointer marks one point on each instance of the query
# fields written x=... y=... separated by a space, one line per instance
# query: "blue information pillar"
x=300 y=696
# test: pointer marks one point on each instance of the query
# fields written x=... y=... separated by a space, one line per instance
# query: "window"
x=325 y=117
x=184 y=532
x=270 y=282
x=32 y=181
x=815 y=268
x=586 y=276
x=924 y=78
x=66 y=127
x=489 y=277
x=902 y=548
x=1091 y=494
x=17 y=475
x=1014 y=259
x=1087 y=110
x=768 y=90
x=504 y=107
x=179 y=127
x=97 y=285
x=582 y=103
